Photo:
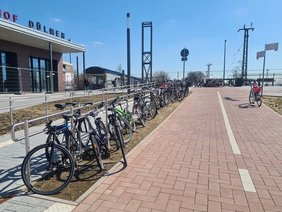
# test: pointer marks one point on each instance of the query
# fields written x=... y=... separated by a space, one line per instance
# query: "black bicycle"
x=48 y=168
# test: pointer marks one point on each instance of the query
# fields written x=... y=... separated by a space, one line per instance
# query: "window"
x=9 y=79
x=3 y=64
x=40 y=75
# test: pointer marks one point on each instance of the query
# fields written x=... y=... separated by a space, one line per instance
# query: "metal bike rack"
x=25 y=124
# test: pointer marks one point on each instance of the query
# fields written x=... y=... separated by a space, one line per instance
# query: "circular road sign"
x=184 y=52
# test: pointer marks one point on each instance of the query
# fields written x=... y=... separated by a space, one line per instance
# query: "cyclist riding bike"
x=256 y=88
x=255 y=94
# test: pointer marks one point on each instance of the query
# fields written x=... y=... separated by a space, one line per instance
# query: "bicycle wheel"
x=103 y=134
x=141 y=116
x=158 y=102
x=126 y=129
x=167 y=99
x=121 y=143
x=47 y=176
x=113 y=136
x=251 y=97
x=131 y=121
x=97 y=153
x=59 y=139
x=181 y=95
x=259 y=100
x=186 y=92
x=151 y=109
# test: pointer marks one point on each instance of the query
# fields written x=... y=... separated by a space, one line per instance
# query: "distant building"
x=103 y=78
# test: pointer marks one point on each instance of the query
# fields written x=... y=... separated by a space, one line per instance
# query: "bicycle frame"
x=122 y=112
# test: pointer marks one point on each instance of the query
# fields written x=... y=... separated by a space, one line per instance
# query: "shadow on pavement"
x=246 y=105
x=123 y=167
x=11 y=181
x=230 y=98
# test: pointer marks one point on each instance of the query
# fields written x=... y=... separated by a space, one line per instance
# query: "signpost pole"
x=184 y=54
x=183 y=69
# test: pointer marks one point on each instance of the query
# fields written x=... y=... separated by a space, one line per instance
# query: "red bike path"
x=214 y=153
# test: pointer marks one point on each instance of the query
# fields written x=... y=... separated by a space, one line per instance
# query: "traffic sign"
x=184 y=53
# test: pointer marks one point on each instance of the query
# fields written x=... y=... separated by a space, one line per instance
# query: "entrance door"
x=40 y=75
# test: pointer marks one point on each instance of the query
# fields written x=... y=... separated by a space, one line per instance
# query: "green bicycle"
x=127 y=124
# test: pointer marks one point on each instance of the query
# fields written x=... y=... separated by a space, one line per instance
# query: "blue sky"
x=199 y=25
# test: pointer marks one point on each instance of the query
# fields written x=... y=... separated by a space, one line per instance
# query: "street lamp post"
x=224 y=58
x=271 y=46
x=128 y=50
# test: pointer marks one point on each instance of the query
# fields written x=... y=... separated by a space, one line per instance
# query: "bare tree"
x=195 y=78
x=119 y=68
x=160 y=76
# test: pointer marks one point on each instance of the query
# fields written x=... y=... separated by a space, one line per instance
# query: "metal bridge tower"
x=147 y=54
x=245 y=52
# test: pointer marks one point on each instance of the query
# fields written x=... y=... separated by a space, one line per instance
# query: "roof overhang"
x=16 y=33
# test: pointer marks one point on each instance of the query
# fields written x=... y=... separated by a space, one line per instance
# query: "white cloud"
x=57 y=20
x=98 y=43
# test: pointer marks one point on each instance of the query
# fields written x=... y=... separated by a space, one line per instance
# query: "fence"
x=26 y=123
x=18 y=80
x=10 y=105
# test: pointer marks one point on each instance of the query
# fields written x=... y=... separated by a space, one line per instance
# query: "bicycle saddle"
x=60 y=106
x=67 y=116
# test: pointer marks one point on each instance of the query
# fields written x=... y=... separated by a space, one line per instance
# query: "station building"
x=25 y=55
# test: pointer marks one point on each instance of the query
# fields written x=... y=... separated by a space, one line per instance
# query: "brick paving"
x=187 y=164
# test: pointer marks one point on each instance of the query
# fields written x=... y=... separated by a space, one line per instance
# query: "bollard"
x=27 y=145
x=11 y=111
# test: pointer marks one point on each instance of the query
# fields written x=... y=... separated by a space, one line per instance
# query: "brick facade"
x=23 y=53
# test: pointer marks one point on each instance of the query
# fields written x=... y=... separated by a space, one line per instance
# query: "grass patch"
x=274 y=102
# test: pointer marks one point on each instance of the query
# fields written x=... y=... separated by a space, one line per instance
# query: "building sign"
x=34 y=25
x=45 y=29
x=8 y=16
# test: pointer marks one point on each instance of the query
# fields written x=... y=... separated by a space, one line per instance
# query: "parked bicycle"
x=115 y=123
x=150 y=105
x=123 y=112
x=138 y=109
x=48 y=168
